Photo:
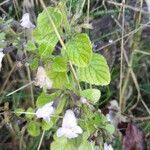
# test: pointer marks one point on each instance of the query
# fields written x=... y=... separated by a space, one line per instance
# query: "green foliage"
x=79 y=50
x=97 y=72
x=110 y=128
x=33 y=128
x=2 y=38
x=59 y=64
x=60 y=79
x=91 y=94
x=46 y=43
x=19 y=111
x=44 y=33
x=61 y=143
x=45 y=98
x=34 y=64
x=43 y=21
x=30 y=46
x=66 y=67
x=30 y=113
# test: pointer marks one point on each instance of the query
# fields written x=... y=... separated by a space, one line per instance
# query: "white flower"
x=25 y=21
x=69 y=128
x=83 y=100
x=42 y=79
x=45 y=112
x=108 y=146
x=1 y=58
x=110 y=41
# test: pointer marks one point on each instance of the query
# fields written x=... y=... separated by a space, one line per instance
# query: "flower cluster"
x=69 y=128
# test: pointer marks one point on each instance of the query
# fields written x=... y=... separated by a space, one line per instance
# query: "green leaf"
x=85 y=145
x=79 y=50
x=45 y=98
x=33 y=128
x=31 y=46
x=110 y=128
x=2 y=36
x=43 y=21
x=97 y=72
x=2 y=39
x=34 y=64
x=28 y=115
x=44 y=34
x=59 y=64
x=61 y=144
x=19 y=111
x=45 y=49
x=60 y=79
x=91 y=94
x=46 y=42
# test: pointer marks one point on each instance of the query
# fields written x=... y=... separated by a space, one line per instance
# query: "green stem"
x=41 y=140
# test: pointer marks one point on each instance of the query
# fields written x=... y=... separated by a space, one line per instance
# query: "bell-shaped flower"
x=69 y=128
x=1 y=58
x=25 y=21
x=45 y=112
x=108 y=146
x=42 y=79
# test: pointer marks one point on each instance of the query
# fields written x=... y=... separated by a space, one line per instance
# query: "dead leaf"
x=134 y=138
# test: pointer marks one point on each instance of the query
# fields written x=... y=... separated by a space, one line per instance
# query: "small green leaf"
x=2 y=39
x=33 y=128
x=2 y=36
x=59 y=64
x=45 y=98
x=61 y=144
x=19 y=111
x=31 y=46
x=34 y=64
x=30 y=113
x=79 y=50
x=85 y=145
x=110 y=128
x=97 y=72
x=91 y=94
x=45 y=49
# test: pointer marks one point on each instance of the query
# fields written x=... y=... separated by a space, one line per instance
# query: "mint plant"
x=69 y=70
